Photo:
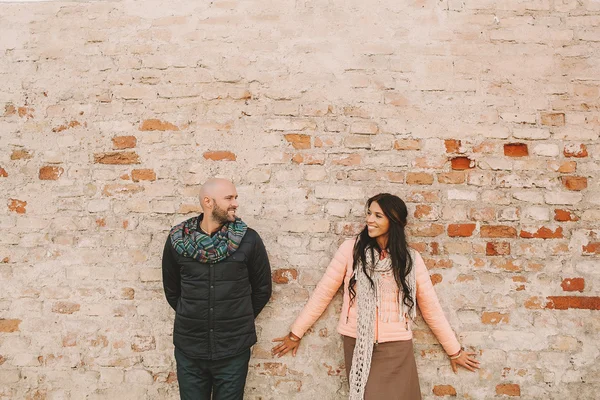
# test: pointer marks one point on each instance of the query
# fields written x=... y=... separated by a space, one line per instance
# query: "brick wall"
x=483 y=115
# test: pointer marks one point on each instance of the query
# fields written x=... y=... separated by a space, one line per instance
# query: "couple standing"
x=217 y=278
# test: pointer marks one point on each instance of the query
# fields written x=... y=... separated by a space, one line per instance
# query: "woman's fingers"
x=279 y=339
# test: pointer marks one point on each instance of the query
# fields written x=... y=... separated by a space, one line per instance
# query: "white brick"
x=548 y=150
x=531 y=133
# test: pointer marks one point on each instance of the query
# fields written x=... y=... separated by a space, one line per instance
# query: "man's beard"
x=221 y=216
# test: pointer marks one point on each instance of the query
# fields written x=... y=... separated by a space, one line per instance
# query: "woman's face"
x=377 y=223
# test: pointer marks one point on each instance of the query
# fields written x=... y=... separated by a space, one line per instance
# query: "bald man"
x=217 y=278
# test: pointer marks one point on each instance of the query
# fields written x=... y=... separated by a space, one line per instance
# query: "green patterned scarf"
x=189 y=241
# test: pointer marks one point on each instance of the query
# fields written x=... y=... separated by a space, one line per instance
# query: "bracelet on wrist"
x=457 y=355
x=293 y=338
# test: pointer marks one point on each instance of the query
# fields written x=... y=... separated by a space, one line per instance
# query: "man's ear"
x=206 y=202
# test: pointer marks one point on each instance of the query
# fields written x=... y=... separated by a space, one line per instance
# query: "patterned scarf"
x=370 y=300
x=189 y=241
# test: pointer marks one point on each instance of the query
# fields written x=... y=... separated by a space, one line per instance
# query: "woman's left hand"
x=465 y=360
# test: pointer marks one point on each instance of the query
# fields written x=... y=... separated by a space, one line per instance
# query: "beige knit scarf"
x=375 y=302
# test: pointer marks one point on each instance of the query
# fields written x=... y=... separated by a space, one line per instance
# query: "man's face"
x=225 y=205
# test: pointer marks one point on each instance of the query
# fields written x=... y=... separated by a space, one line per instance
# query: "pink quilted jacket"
x=340 y=271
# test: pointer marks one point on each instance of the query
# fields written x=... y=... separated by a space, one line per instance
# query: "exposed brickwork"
x=516 y=150
x=50 y=173
x=124 y=142
x=482 y=115
x=143 y=175
x=573 y=284
x=508 y=389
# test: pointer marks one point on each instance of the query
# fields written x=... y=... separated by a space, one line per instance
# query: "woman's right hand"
x=290 y=342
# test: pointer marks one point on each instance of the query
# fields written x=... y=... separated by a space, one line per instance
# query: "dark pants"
x=225 y=378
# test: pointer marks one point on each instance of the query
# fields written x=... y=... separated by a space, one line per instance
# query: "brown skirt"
x=393 y=374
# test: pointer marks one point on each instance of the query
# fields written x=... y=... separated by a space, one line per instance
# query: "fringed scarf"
x=375 y=301
x=189 y=241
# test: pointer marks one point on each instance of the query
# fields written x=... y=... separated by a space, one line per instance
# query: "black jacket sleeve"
x=171 y=275
x=260 y=276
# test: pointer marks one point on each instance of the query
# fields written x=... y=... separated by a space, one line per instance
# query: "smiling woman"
x=384 y=280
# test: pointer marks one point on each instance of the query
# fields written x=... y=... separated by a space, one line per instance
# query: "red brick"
x=49 y=173
x=543 y=233
x=497 y=249
x=426 y=230
x=591 y=248
x=575 y=302
x=309 y=159
x=65 y=307
x=20 y=154
x=124 y=142
x=462 y=163
x=508 y=389
x=298 y=141
x=407 y=144
x=573 y=284
x=564 y=216
x=494 y=318
x=422 y=196
x=452 y=145
x=461 y=230
x=419 y=178
x=117 y=158
x=573 y=150
x=507 y=264
x=157 y=125
x=575 y=183
x=516 y=150
x=9 y=325
x=553 y=119
x=453 y=177
x=17 y=206
x=482 y=214
x=352 y=159
x=422 y=210
x=444 y=390
x=220 y=156
x=143 y=175
x=533 y=303
x=71 y=124
x=283 y=276
x=436 y=278
x=497 y=231
x=3 y=173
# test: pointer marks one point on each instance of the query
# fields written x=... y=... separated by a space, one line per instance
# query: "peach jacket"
x=340 y=271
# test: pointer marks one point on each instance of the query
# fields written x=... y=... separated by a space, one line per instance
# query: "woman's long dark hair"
x=395 y=210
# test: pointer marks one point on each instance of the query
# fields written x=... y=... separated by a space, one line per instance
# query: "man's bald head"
x=218 y=199
x=214 y=186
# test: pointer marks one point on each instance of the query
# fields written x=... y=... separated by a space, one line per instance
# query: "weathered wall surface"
x=483 y=115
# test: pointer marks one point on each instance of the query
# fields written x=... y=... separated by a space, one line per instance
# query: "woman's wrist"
x=456 y=355
x=293 y=337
